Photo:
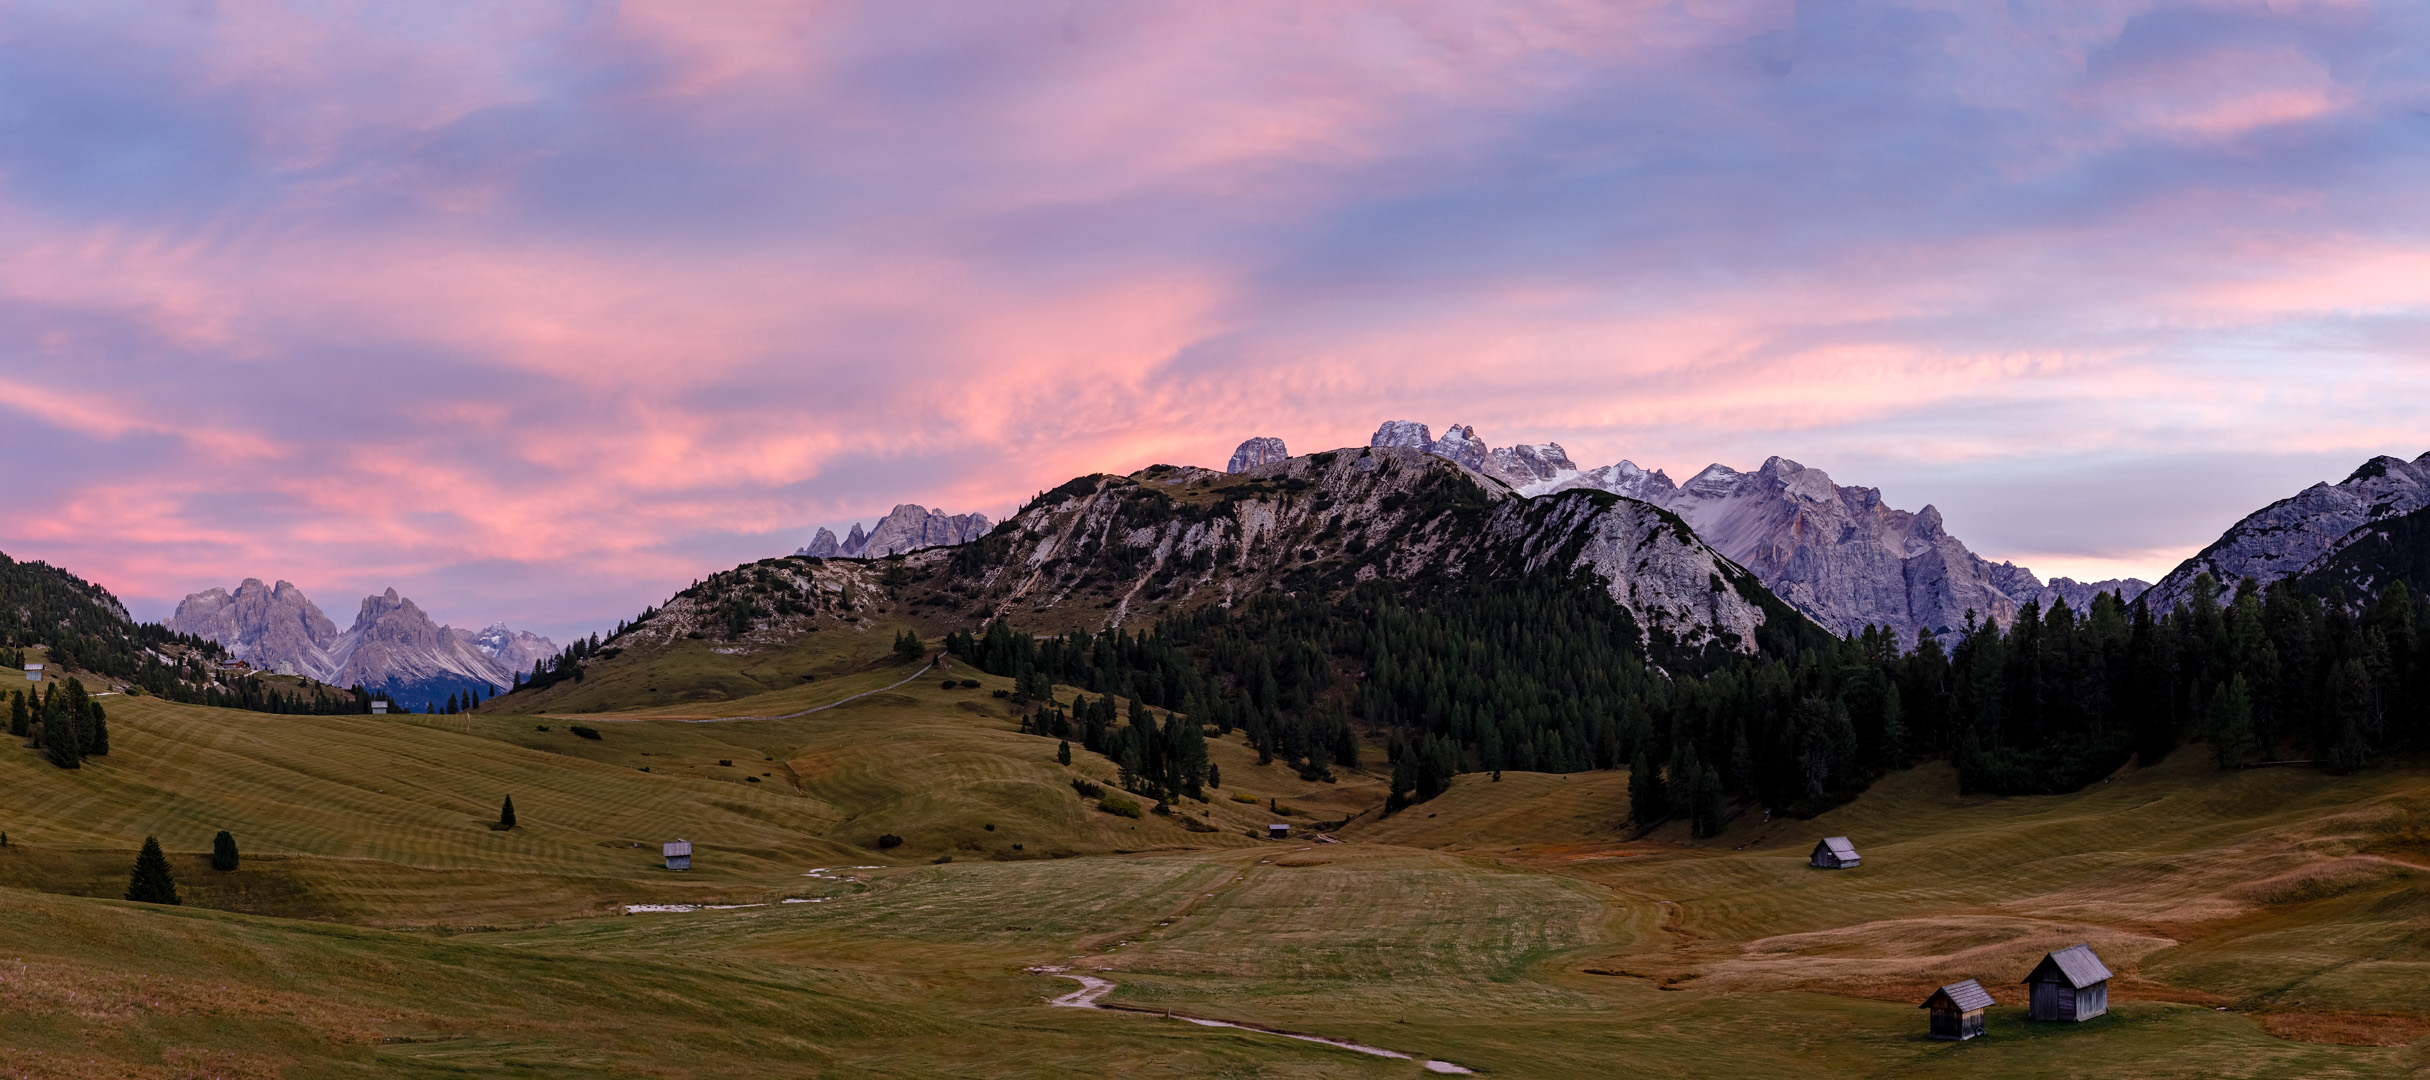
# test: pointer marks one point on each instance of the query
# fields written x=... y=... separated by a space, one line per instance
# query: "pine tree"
x=506 y=813
x=1063 y=752
x=907 y=647
x=223 y=851
x=20 y=721
x=1214 y=775
x=151 y=882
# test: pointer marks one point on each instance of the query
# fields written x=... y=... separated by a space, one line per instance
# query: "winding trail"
x=1093 y=988
x=782 y=716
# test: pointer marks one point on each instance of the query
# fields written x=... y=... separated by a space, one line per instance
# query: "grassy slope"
x=1464 y=928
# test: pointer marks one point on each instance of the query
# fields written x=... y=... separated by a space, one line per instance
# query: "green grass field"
x=2268 y=923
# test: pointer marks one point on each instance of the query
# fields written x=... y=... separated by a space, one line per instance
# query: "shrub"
x=942 y=859
x=543 y=727
x=223 y=851
x=1238 y=797
x=1003 y=693
x=752 y=779
x=727 y=762
x=585 y=732
x=1119 y=805
x=1087 y=790
x=970 y=684
x=950 y=684
x=889 y=840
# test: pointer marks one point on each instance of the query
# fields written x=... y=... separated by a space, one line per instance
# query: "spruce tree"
x=1214 y=775
x=1063 y=752
x=20 y=721
x=506 y=813
x=151 y=883
x=2232 y=724
x=97 y=730
x=223 y=851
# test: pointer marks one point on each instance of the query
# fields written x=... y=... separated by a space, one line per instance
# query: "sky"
x=539 y=311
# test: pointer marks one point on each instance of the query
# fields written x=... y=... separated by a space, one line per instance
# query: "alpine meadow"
x=1744 y=539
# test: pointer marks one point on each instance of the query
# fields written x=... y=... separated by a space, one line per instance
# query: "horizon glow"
x=537 y=312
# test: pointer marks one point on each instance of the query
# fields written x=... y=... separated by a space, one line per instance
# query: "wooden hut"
x=1278 y=831
x=2070 y=984
x=1957 y=1010
x=678 y=853
x=1835 y=853
x=379 y=708
x=33 y=673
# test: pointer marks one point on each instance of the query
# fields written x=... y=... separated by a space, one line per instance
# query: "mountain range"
x=909 y=527
x=392 y=648
x=1839 y=554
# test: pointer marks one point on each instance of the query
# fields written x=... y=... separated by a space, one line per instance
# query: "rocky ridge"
x=909 y=527
x=392 y=648
x=1119 y=551
x=1839 y=554
x=2312 y=526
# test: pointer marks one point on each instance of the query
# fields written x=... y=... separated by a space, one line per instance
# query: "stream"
x=1093 y=988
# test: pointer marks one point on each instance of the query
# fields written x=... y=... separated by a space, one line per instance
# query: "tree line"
x=1551 y=675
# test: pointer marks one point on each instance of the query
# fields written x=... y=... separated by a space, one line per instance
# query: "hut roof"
x=1964 y=996
x=1839 y=846
x=2075 y=963
x=677 y=847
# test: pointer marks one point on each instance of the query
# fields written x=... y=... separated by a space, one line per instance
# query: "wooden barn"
x=1957 y=1010
x=678 y=853
x=1835 y=853
x=1278 y=831
x=2070 y=984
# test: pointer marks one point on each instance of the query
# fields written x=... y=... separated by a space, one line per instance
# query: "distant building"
x=286 y=667
x=1957 y=1010
x=33 y=673
x=1835 y=853
x=679 y=854
x=2070 y=984
x=1278 y=831
x=379 y=708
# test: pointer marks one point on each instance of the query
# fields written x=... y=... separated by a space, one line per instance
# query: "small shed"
x=1280 y=830
x=1835 y=853
x=379 y=708
x=678 y=853
x=1957 y=1010
x=2070 y=984
x=33 y=673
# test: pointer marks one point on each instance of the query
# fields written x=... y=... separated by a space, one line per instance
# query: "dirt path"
x=1093 y=988
x=725 y=719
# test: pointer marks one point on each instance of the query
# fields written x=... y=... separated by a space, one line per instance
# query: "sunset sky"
x=539 y=311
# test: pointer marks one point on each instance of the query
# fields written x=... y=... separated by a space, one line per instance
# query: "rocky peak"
x=1526 y=464
x=1460 y=444
x=1406 y=433
x=262 y=624
x=1262 y=450
x=2280 y=539
x=909 y=527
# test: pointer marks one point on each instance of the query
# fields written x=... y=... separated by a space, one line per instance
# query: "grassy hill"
x=2260 y=922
